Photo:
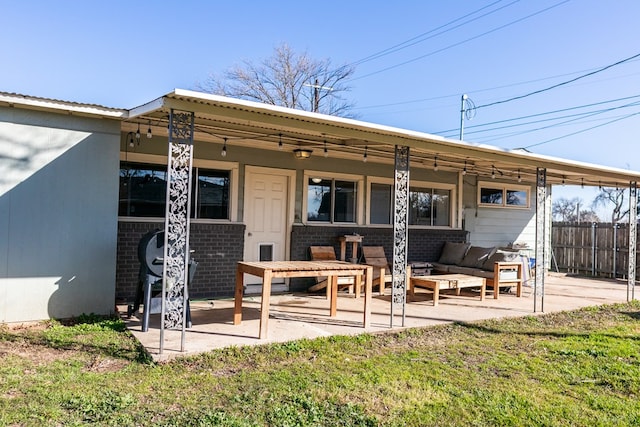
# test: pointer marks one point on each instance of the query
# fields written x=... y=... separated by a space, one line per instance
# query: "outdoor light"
x=493 y=172
x=316 y=180
x=464 y=171
x=138 y=133
x=224 y=149
x=435 y=163
x=364 y=158
x=133 y=138
x=326 y=153
x=280 y=142
x=519 y=177
x=149 y=134
x=302 y=153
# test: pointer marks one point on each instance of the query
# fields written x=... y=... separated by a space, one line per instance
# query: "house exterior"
x=81 y=184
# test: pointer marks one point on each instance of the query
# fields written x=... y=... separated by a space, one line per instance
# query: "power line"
x=622 y=61
x=421 y=37
x=582 y=131
x=460 y=43
x=529 y=116
x=576 y=117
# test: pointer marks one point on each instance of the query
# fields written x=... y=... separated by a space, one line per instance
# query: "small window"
x=502 y=195
x=331 y=200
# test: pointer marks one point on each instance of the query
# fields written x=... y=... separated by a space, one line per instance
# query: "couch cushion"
x=440 y=268
x=476 y=257
x=452 y=253
x=500 y=256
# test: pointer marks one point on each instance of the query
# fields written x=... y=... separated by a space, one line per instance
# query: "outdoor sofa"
x=501 y=267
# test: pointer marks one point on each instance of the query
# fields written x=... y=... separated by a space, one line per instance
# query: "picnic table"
x=269 y=270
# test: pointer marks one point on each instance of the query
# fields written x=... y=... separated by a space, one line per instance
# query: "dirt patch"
x=36 y=354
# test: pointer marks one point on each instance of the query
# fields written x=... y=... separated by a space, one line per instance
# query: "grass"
x=578 y=368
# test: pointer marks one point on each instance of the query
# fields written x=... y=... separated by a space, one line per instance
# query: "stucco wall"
x=58 y=214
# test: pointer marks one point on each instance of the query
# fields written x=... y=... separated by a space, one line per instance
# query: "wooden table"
x=273 y=269
x=448 y=281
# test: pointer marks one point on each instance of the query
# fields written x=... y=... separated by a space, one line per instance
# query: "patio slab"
x=297 y=316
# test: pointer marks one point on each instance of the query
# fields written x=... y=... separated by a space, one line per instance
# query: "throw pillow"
x=452 y=253
x=476 y=257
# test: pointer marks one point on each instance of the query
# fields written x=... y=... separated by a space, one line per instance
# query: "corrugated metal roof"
x=26 y=101
x=246 y=121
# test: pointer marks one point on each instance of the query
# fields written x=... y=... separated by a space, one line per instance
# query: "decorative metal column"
x=633 y=227
x=541 y=238
x=400 y=230
x=175 y=273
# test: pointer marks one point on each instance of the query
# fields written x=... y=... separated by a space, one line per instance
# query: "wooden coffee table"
x=448 y=281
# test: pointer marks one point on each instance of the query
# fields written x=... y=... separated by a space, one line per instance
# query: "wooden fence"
x=591 y=249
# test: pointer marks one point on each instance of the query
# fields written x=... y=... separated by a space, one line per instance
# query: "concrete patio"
x=297 y=316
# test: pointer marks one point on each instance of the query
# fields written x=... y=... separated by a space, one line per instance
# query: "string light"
x=519 y=177
x=464 y=171
x=364 y=159
x=138 y=133
x=223 y=153
x=435 y=163
x=582 y=182
x=149 y=134
x=326 y=152
x=280 y=142
x=563 y=178
x=493 y=172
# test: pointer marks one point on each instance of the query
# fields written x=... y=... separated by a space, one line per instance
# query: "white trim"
x=504 y=187
x=360 y=200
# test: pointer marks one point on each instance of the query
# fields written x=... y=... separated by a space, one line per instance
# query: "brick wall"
x=217 y=248
x=423 y=244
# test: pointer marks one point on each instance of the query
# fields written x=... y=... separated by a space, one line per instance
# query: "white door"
x=265 y=215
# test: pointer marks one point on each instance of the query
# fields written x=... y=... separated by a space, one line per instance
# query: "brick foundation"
x=217 y=248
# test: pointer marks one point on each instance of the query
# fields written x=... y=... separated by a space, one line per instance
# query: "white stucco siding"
x=58 y=215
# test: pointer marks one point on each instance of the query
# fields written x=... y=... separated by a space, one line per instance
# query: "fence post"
x=593 y=248
x=615 y=247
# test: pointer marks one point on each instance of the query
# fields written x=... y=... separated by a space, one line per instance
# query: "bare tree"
x=289 y=80
x=569 y=210
x=615 y=197
x=565 y=209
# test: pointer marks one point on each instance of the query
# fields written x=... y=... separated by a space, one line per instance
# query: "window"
x=381 y=201
x=503 y=195
x=143 y=191
x=331 y=200
x=429 y=206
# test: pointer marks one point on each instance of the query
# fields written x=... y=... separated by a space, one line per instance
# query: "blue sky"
x=125 y=53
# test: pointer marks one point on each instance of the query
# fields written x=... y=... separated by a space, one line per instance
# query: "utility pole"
x=315 y=103
x=462 y=111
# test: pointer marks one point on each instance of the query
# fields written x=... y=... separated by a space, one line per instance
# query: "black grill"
x=150 y=256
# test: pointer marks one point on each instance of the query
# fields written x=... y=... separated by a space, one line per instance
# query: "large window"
x=503 y=195
x=143 y=191
x=331 y=200
x=428 y=205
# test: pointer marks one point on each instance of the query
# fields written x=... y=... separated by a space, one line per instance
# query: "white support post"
x=633 y=229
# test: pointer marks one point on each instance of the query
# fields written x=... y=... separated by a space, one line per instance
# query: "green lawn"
x=579 y=368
